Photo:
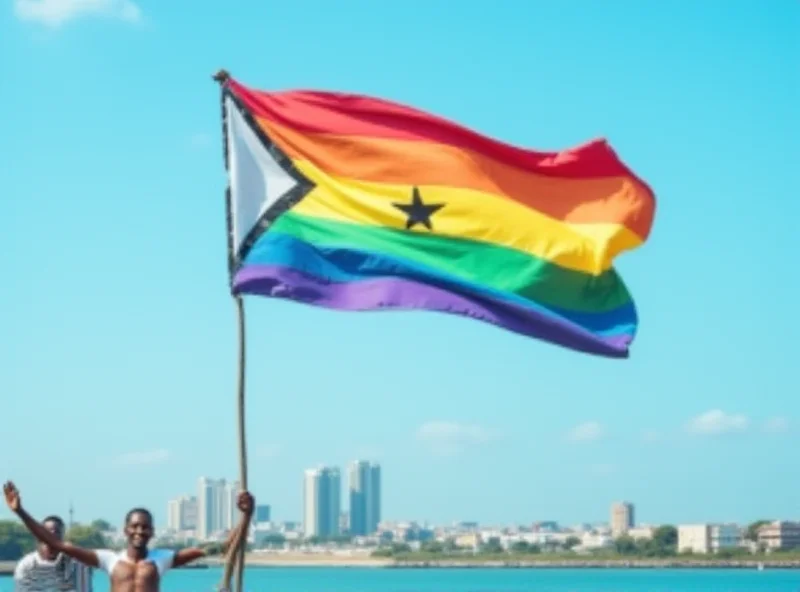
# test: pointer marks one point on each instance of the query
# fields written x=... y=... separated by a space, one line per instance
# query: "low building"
x=725 y=536
x=693 y=538
x=708 y=538
x=468 y=541
x=591 y=541
x=641 y=532
x=779 y=535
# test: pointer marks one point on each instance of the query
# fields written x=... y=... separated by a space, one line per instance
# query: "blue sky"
x=118 y=340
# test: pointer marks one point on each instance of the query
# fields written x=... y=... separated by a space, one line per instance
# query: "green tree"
x=751 y=534
x=87 y=537
x=520 y=547
x=432 y=547
x=651 y=548
x=102 y=525
x=666 y=536
x=382 y=552
x=571 y=542
x=731 y=553
x=491 y=547
x=274 y=540
x=450 y=546
x=15 y=541
x=524 y=547
x=400 y=548
x=625 y=545
x=665 y=540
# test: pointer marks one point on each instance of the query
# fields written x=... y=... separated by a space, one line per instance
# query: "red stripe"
x=350 y=114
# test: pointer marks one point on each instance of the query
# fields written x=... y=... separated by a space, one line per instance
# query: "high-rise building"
x=219 y=506
x=374 y=517
x=262 y=513
x=174 y=515
x=622 y=518
x=364 y=480
x=211 y=507
x=321 y=502
x=205 y=508
x=182 y=514
x=189 y=513
x=229 y=509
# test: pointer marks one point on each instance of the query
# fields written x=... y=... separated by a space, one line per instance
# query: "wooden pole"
x=235 y=555
x=242 y=439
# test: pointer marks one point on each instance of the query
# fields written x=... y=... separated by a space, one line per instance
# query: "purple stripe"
x=398 y=293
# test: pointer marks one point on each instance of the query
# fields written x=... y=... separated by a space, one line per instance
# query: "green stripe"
x=474 y=261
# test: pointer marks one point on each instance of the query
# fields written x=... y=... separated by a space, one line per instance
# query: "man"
x=136 y=569
x=47 y=570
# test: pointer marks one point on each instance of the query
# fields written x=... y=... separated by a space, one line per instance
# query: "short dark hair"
x=144 y=511
x=56 y=519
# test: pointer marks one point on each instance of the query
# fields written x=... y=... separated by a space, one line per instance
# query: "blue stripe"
x=341 y=265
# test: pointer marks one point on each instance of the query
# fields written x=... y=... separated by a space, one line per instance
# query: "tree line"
x=16 y=541
x=663 y=543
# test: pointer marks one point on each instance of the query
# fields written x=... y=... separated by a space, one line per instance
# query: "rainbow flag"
x=357 y=203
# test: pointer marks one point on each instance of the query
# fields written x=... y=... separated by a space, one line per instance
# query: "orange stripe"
x=347 y=114
x=620 y=200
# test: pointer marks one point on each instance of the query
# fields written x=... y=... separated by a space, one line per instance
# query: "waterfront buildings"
x=780 y=535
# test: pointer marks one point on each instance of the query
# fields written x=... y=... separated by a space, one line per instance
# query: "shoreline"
x=266 y=561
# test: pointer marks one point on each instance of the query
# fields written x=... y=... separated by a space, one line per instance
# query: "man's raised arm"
x=246 y=505
x=40 y=532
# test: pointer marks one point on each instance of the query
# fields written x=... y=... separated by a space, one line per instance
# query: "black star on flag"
x=418 y=212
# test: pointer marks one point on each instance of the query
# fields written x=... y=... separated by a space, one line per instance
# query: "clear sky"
x=118 y=335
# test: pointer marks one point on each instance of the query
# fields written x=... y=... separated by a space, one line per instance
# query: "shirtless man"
x=136 y=569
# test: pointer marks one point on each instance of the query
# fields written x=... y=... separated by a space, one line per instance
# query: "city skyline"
x=117 y=310
x=213 y=509
x=621 y=532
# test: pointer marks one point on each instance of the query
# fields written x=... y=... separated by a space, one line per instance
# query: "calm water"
x=478 y=580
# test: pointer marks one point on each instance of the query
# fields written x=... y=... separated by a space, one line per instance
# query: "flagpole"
x=236 y=554
x=242 y=439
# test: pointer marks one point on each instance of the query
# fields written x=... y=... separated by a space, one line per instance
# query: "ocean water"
x=320 y=579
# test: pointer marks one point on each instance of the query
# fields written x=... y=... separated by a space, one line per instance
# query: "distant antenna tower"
x=71 y=515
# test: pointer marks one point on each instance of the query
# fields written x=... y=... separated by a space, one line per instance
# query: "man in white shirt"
x=47 y=570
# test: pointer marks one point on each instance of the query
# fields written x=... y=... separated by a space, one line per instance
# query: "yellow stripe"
x=475 y=215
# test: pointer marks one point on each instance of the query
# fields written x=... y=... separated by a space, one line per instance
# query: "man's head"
x=139 y=527
x=55 y=525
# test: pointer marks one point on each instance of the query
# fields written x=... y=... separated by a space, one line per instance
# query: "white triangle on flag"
x=256 y=180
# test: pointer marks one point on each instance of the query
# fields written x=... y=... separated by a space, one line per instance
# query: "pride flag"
x=357 y=203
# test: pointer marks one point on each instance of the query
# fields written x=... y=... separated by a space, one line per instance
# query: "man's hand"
x=11 y=493
x=246 y=503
